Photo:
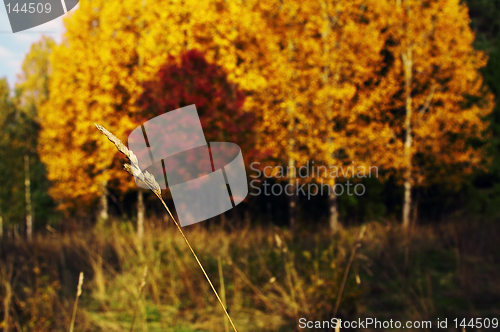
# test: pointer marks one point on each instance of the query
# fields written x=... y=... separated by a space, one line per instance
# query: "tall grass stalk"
x=141 y=288
x=222 y=290
x=75 y=306
x=147 y=178
x=7 y=299
x=355 y=247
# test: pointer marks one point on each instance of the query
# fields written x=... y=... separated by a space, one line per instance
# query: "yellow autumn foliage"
x=324 y=78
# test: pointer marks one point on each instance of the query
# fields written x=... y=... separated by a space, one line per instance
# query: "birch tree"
x=440 y=91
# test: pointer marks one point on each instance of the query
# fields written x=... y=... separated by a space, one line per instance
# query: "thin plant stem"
x=147 y=178
x=75 y=306
x=222 y=290
x=198 y=261
x=346 y=272
x=141 y=288
x=6 y=303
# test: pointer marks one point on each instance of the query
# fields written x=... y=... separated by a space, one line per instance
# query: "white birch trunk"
x=334 y=213
x=27 y=187
x=292 y=203
x=408 y=66
x=103 y=215
x=140 y=214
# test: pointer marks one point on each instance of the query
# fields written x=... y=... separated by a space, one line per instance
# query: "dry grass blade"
x=6 y=275
x=134 y=169
x=355 y=247
x=222 y=289
x=141 y=288
x=78 y=293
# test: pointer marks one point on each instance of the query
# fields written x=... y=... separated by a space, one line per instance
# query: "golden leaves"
x=320 y=74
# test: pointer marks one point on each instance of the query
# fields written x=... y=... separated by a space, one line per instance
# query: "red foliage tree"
x=219 y=102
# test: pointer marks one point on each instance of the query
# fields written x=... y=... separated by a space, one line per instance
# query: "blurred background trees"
x=441 y=91
x=192 y=80
x=376 y=83
x=409 y=87
x=483 y=190
x=24 y=193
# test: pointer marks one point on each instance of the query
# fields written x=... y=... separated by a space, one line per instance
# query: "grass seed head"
x=119 y=145
x=133 y=168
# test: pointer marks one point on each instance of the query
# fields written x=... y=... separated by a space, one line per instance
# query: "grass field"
x=270 y=278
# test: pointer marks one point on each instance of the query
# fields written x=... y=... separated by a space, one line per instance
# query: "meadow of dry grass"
x=270 y=277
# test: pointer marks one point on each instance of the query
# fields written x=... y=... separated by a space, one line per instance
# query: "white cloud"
x=15 y=63
x=14 y=47
x=5 y=53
